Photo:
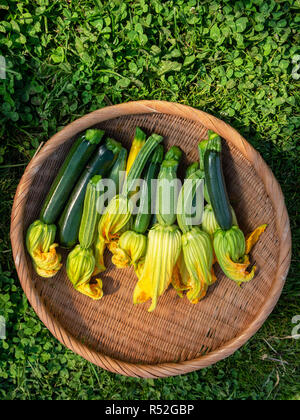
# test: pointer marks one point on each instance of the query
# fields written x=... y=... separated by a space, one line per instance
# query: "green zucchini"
x=90 y=215
x=187 y=201
x=139 y=163
x=68 y=174
x=143 y=217
x=201 y=149
x=101 y=164
x=118 y=172
x=215 y=182
x=167 y=188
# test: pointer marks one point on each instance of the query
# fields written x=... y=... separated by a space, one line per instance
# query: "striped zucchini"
x=90 y=215
x=215 y=182
x=77 y=158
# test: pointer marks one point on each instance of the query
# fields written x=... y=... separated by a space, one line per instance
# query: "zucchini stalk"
x=101 y=164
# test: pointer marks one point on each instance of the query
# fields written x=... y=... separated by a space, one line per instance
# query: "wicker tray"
x=178 y=337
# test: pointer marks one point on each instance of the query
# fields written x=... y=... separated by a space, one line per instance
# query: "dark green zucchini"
x=100 y=164
x=118 y=172
x=68 y=174
x=215 y=182
x=143 y=217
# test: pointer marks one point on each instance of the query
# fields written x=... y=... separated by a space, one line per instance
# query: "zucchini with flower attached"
x=119 y=211
x=81 y=261
x=164 y=239
x=132 y=244
x=41 y=234
x=168 y=187
x=230 y=246
x=101 y=164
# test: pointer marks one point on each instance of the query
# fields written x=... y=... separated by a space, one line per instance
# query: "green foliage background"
x=67 y=58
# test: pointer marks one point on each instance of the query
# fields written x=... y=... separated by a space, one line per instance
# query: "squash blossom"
x=80 y=267
x=115 y=217
x=42 y=249
x=180 y=276
x=130 y=250
x=81 y=262
x=209 y=221
x=118 y=214
x=198 y=257
x=164 y=246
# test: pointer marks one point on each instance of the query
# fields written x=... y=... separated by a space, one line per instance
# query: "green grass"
x=65 y=59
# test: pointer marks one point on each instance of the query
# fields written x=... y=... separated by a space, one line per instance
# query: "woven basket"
x=177 y=337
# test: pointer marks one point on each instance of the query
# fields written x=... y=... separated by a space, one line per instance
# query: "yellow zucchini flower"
x=80 y=267
x=209 y=221
x=99 y=248
x=130 y=250
x=42 y=249
x=198 y=256
x=230 y=249
x=164 y=246
x=180 y=276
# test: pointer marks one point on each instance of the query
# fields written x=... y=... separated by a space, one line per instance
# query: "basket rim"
x=272 y=188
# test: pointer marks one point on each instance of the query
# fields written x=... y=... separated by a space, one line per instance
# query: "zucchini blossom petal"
x=198 y=257
x=164 y=246
x=42 y=249
x=131 y=248
x=80 y=267
x=230 y=248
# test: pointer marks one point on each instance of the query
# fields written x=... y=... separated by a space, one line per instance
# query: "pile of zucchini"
x=161 y=244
